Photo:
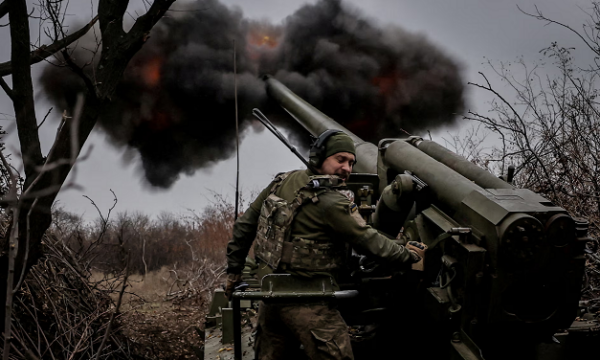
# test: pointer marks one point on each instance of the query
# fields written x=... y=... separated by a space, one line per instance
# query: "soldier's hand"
x=232 y=281
x=417 y=250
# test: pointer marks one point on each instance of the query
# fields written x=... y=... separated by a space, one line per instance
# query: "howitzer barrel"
x=462 y=166
x=449 y=186
x=316 y=122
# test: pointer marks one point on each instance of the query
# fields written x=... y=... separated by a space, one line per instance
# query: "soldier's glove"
x=417 y=251
x=232 y=281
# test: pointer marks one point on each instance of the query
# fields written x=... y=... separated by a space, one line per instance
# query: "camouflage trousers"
x=320 y=329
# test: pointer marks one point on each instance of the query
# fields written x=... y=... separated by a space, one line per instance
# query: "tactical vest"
x=274 y=245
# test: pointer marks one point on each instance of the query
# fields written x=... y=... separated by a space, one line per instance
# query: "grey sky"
x=471 y=31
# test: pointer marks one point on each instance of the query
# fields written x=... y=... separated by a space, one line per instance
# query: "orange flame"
x=151 y=71
x=263 y=36
x=258 y=39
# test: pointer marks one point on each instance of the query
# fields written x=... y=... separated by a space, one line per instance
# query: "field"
x=162 y=326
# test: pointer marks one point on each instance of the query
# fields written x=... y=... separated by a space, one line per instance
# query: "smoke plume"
x=175 y=104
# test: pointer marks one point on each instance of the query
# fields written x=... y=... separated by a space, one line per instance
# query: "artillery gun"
x=503 y=272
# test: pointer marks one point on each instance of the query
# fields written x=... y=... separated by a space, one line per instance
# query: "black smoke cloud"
x=175 y=104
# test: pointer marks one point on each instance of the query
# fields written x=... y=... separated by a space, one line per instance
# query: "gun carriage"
x=502 y=275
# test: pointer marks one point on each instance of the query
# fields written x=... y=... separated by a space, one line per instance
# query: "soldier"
x=300 y=225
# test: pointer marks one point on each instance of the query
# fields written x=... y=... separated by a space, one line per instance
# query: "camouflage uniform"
x=332 y=219
x=318 y=327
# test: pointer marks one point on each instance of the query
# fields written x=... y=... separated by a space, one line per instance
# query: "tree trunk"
x=42 y=185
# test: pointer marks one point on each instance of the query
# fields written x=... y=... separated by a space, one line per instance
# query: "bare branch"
x=6 y=88
x=45 y=117
x=3 y=8
x=48 y=50
x=538 y=15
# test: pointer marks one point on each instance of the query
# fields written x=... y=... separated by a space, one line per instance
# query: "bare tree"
x=549 y=125
x=44 y=175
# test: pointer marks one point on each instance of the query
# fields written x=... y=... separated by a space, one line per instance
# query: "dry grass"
x=158 y=326
x=163 y=311
x=150 y=288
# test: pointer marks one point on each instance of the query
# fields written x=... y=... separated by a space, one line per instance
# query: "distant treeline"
x=145 y=244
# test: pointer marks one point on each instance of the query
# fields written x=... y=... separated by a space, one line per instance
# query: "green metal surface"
x=286 y=286
x=218 y=302
x=461 y=165
x=449 y=187
x=227 y=325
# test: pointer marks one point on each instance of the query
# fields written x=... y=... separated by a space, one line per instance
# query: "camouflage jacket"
x=328 y=220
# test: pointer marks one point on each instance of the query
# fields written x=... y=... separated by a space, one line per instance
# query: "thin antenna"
x=237 y=136
x=269 y=125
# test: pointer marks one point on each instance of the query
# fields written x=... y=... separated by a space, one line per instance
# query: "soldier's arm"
x=337 y=212
x=244 y=232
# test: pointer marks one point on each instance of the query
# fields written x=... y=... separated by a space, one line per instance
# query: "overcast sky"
x=470 y=31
